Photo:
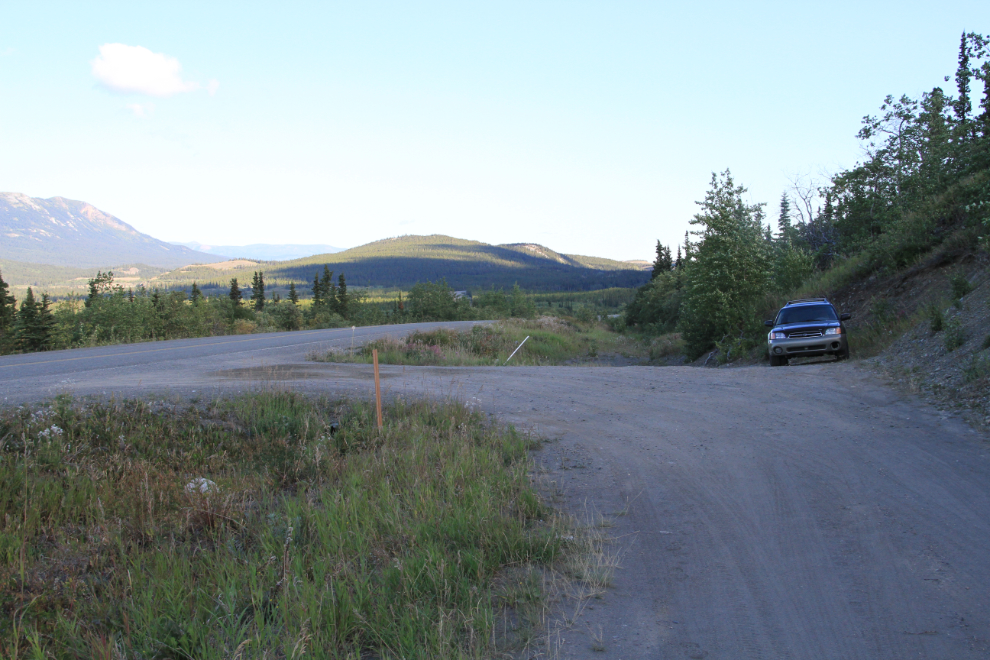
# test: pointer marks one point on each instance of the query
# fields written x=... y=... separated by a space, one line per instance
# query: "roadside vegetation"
x=919 y=202
x=113 y=314
x=552 y=341
x=273 y=525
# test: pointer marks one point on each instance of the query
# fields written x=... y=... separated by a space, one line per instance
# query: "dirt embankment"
x=937 y=341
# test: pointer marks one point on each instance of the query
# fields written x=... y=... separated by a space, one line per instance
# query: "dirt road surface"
x=802 y=512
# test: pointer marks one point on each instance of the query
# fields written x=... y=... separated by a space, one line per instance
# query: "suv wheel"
x=843 y=354
x=776 y=361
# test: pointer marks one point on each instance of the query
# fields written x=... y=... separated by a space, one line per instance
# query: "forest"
x=923 y=186
x=112 y=314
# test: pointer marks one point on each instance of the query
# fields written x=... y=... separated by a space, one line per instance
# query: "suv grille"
x=802 y=334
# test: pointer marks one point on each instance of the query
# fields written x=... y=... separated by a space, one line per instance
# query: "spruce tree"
x=46 y=321
x=293 y=296
x=342 y=299
x=258 y=291
x=784 y=229
x=963 y=77
x=33 y=326
x=317 y=298
x=235 y=291
x=8 y=310
x=328 y=290
x=663 y=262
x=195 y=295
x=680 y=261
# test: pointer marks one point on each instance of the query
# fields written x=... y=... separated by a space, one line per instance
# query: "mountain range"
x=50 y=244
x=66 y=232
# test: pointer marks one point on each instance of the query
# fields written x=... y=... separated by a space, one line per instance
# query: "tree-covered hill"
x=402 y=262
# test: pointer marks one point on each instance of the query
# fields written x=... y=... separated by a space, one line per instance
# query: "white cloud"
x=213 y=86
x=126 y=68
x=141 y=109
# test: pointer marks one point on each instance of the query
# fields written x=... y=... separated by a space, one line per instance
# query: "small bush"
x=935 y=318
x=955 y=335
x=977 y=369
x=960 y=286
x=244 y=327
x=665 y=346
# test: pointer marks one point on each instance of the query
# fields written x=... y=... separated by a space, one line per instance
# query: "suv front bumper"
x=807 y=346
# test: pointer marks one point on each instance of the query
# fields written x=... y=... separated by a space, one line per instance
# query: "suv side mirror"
x=769 y=324
x=845 y=317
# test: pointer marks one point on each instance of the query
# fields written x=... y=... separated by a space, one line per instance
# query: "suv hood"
x=808 y=325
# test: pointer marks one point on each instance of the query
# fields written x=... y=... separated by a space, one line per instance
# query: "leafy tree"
x=99 y=285
x=34 y=323
x=729 y=273
x=657 y=305
x=519 y=305
x=293 y=296
x=663 y=262
x=258 y=291
x=434 y=301
x=235 y=292
x=196 y=296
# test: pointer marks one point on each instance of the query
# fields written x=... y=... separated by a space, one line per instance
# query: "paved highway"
x=180 y=366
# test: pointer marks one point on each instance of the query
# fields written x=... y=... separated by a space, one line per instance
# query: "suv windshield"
x=806 y=314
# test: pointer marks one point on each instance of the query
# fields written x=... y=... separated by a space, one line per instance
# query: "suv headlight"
x=833 y=331
x=777 y=335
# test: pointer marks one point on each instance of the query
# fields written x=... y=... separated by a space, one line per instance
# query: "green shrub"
x=935 y=318
x=978 y=368
x=955 y=335
x=665 y=346
x=960 y=285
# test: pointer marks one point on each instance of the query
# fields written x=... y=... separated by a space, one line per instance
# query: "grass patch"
x=247 y=529
x=551 y=341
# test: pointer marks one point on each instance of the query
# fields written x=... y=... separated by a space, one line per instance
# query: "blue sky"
x=590 y=127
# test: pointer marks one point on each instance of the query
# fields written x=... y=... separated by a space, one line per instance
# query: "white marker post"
x=517 y=350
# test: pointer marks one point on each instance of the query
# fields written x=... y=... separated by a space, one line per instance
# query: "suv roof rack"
x=807 y=300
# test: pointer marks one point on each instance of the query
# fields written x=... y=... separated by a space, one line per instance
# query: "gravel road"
x=801 y=512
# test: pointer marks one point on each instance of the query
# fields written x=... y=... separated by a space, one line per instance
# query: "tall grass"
x=551 y=341
x=246 y=529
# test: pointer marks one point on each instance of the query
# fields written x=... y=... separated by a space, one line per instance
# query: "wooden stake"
x=378 y=388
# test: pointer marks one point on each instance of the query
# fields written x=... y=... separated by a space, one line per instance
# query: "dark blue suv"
x=807 y=328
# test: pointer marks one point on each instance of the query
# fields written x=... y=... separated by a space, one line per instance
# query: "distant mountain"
x=262 y=251
x=65 y=232
x=406 y=260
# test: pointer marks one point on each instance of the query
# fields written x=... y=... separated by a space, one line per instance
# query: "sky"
x=589 y=127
